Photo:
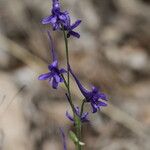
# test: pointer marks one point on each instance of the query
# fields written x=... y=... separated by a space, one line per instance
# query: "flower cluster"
x=61 y=20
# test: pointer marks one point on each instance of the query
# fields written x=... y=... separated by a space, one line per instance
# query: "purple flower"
x=94 y=96
x=71 y=28
x=57 y=18
x=54 y=74
x=82 y=117
x=61 y=20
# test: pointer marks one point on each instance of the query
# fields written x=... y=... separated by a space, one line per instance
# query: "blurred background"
x=113 y=53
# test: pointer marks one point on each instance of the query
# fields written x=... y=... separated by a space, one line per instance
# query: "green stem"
x=78 y=131
x=79 y=126
x=82 y=107
x=67 y=84
x=67 y=57
x=70 y=101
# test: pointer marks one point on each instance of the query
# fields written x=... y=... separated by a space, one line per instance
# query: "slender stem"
x=79 y=125
x=78 y=132
x=79 y=128
x=69 y=99
x=67 y=84
x=82 y=107
x=67 y=57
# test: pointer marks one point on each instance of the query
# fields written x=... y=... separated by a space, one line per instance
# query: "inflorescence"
x=60 y=20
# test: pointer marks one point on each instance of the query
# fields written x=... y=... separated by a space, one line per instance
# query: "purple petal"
x=56 y=26
x=44 y=76
x=53 y=65
x=100 y=103
x=69 y=116
x=57 y=78
x=67 y=19
x=53 y=20
x=103 y=96
x=94 y=107
x=84 y=115
x=73 y=33
x=56 y=4
x=47 y=20
x=84 y=119
x=62 y=17
x=77 y=111
x=61 y=79
x=94 y=89
x=74 y=25
x=54 y=84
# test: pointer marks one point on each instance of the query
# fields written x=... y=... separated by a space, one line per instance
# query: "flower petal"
x=100 y=103
x=94 y=107
x=56 y=5
x=54 y=84
x=61 y=79
x=47 y=20
x=53 y=20
x=103 y=96
x=44 y=76
x=57 y=78
x=53 y=65
x=84 y=117
x=56 y=26
x=85 y=114
x=94 y=89
x=69 y=116
x=74 y=25
x=77 y=111
x=73 y=33
x=62 y=17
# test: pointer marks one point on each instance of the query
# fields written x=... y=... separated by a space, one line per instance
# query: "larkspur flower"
x=57 y=17
x=71 y=28
x=94 y=97
x=54 y=74
x=83 y=117
x=61 y=20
